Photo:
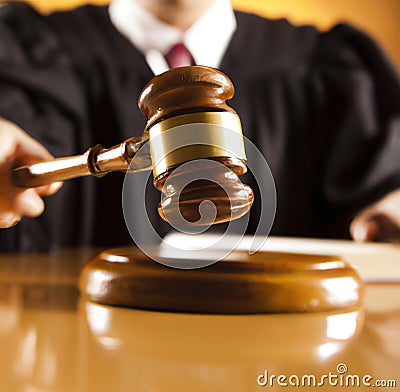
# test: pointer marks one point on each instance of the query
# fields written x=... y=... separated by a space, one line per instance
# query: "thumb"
x=17 y=147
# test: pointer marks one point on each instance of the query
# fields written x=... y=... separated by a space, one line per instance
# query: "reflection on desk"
x=52 y=341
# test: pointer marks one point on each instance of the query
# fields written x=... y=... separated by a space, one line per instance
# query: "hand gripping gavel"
x=188 y=119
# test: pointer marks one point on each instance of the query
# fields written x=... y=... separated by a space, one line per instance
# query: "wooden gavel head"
x=196 y=146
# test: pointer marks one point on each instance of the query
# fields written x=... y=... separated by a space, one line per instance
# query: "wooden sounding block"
x=265 y=282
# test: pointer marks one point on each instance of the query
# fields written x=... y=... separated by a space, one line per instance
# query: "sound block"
x=265 y=282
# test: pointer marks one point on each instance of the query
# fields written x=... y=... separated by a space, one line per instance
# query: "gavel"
x=188 y=120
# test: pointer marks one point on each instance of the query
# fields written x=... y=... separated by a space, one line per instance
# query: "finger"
x=8 y=220
x=380 y=221
x=50 y=189
x=363 y=228
x=388 y=228
x=8 y=217
x=8 y=146
x=14 y=141
x=28 y=203
x=30 y=151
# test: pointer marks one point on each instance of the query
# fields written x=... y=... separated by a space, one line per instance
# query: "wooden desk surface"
x=50 y=340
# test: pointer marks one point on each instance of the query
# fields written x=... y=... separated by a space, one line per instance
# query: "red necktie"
x=179 y=56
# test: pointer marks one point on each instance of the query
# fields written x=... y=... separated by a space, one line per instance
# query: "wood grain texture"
x=266 y=282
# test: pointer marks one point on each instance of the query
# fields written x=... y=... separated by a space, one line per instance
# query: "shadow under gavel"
x=196 y=149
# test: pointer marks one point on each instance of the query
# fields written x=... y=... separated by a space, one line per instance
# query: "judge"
x=324 y=109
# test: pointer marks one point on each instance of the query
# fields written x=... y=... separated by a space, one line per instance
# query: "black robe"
x=324 y=108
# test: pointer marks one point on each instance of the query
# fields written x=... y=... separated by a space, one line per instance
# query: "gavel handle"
x=96 y=161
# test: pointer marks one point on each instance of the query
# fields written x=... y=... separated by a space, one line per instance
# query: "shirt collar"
x=207 y=39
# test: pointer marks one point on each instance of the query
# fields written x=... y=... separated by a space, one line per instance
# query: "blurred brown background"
x=380 y=18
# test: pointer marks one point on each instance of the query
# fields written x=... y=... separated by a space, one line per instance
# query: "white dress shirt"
x=207 y=39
